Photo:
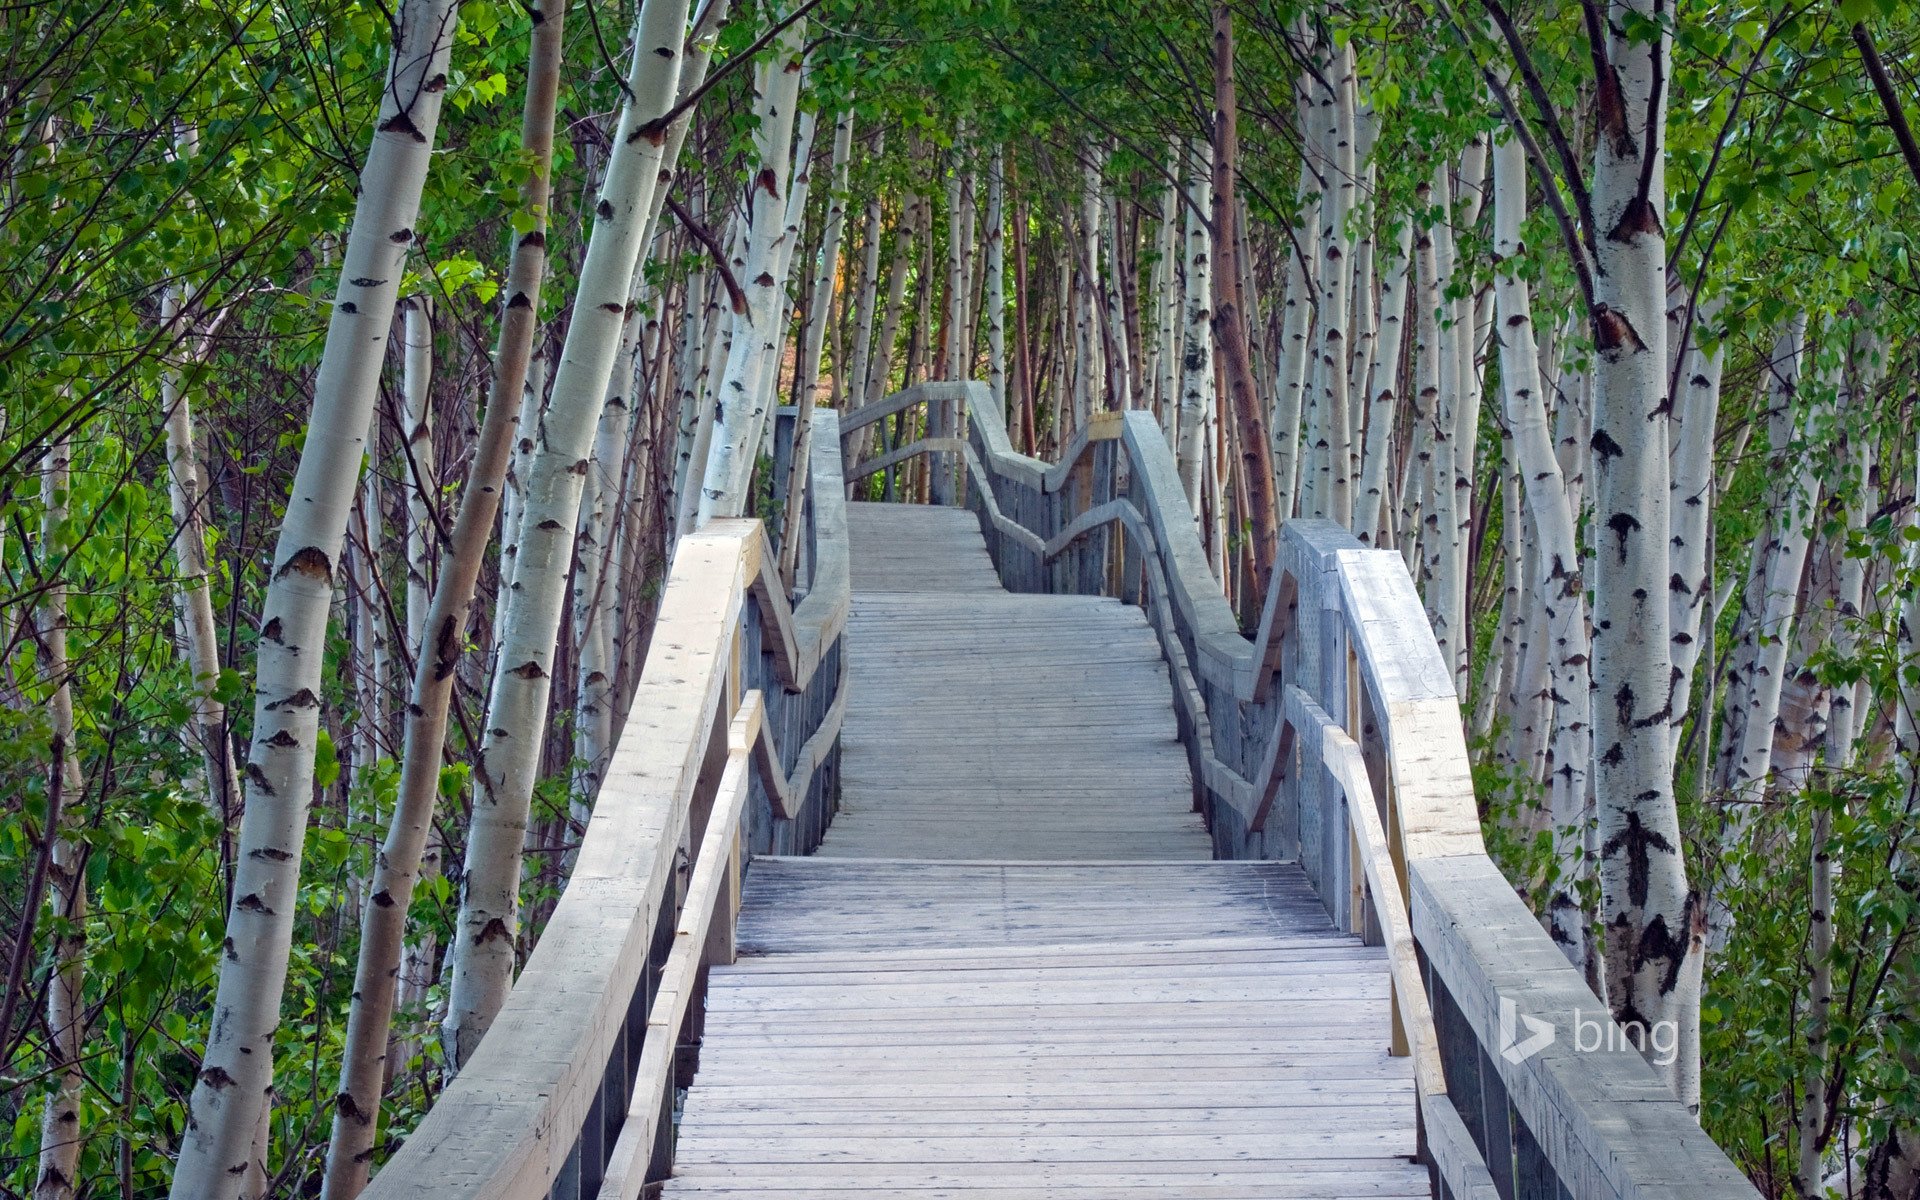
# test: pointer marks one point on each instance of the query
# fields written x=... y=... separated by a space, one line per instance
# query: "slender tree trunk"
x=60 y=1138
x=740 y=412
x=417 y=424
x=1689 y=506
x=1383 y=406
x=412 y=848
x=995 y=240
x=236 y=1071
x=1335 y=295
x=1197 y=399
x=867 y=301
x=201 y=633
x=880 y=368
x=1653 y=918
x=1229 y=325
x=1025 y=427
x=807 y=372
x=529 y=623
x=1561 y=595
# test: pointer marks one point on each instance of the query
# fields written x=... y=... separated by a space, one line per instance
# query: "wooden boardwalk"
x=1011 y=971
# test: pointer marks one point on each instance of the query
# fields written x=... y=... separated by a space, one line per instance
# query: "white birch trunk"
x=1383 y=405
x=1652 y=917
x=1690 y=505
x=1779 y=565
x=413 y=847
x=1561 y=596
x=60 y=1136
x=1336 y=277
x=236 y=1069
x=200 y=632
x=1163 y=357
x=529 y=623
x=740 y=409
x=416 y=389
x=1118 y=343
x=866 y=301
x=807 y=371
x=1197 y=395
x=996 y=281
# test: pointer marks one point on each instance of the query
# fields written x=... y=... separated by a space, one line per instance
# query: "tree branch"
x=735 y=295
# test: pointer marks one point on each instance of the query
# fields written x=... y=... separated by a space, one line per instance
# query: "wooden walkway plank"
x=1012 y=971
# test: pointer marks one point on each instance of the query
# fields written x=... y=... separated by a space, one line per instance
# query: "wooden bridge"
x=990 y=858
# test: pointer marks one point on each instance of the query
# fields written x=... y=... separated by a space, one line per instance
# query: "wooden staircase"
x=1011 y=971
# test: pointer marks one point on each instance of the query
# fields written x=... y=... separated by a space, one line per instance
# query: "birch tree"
x=740 y=411
x=236 y=1068
x=529 y=622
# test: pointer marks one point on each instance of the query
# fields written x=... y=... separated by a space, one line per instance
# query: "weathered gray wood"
x=1010 y=1029
x=893 y=458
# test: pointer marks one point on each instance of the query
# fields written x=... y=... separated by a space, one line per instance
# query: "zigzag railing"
x=731 y=750
x=1333 y=736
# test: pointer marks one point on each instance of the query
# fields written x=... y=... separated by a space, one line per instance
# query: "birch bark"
x=1561 y=595
x=866 y=303
x=236 y=1070
x=807 y=372
x=740 y=410
x=201 y=634
x=60 y=1138
x=529 y=622
x=1652 y=916
x=1197 y=398
x=412 y=849
x=416 y=421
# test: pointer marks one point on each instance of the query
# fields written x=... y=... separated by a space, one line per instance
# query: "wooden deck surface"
x=1011 y=972
x=984 y=725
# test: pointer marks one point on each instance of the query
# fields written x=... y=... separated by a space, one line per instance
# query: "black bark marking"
x=304 y=698
x=283 y=740
x=446 y=652
x=271 y=632
x=364 y=281
x=344 y=1102
x=348 y=306
x=310 y=561
x=519 y=300
x=270 y=854
x=528 y=670
x=1638 y=843
x=1605 y=446
x=401 y=123
x=604 y=210
x=217 y=1078
x=495 y=929
x=437 y=84
x=383 y=899
x=251 y=902
x=1612 y=331
x=1623 y=526
x=257 y=778
x=400 y=237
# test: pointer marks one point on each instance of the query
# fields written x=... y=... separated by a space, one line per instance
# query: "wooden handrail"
x=712 y=877
x=515 y=1119
x=1366 y=733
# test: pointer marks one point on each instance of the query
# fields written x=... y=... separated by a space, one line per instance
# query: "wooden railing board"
x=893 y=458
x=628 y=1165
x=1604 y=1119
x=1386 y=815
x=545 y=1095
x=536 y=1072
